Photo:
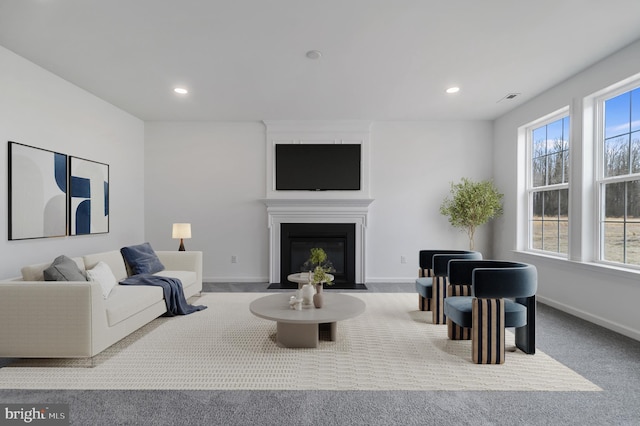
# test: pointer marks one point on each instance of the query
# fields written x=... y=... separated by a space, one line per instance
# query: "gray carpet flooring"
x=609 y=360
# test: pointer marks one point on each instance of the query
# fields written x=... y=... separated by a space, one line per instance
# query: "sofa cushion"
x=103 y=275
x=63 y=269
x=128 y=300
x=141 y=259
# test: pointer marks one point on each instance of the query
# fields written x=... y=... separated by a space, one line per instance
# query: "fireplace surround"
x=318 y=211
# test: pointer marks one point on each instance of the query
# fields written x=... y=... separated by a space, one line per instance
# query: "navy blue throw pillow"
x=141 y=259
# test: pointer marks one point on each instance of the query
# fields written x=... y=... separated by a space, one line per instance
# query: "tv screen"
x=317 y=167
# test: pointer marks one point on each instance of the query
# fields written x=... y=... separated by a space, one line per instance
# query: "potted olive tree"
x=472 y=204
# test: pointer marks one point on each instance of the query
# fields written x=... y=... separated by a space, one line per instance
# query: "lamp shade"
x=181 y=230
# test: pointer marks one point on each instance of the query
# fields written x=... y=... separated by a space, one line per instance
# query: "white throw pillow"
x=102 y=274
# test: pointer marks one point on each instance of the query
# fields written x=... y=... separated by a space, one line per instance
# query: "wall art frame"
x=88 y=197
x=37 y=188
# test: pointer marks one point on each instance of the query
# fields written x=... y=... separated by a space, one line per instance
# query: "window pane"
x=635 y=152
x=614 y=197
x=554 y=136
x=616 y=115
x=550 y=205
x=536 y=238
x=539 y=171
x=563 y=204
x=563 y=226
x=538 y=205
x=556 y=165
x=616 y=156
x=563 y=237
x=633 y=200
x=633 y=243
x=614 y=241
x=635 y=110
x=565 y=160
x=539 y=139
x=550 y=233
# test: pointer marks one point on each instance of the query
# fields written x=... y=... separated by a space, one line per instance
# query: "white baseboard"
x=391 y=280
x=262 y=280
x=603 y=322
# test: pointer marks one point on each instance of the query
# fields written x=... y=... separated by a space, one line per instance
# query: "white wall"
x=412 y=166
x=40 y=109
x=602 y=295
x=213 y=175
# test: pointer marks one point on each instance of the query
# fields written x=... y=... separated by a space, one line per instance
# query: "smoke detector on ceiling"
x=509 y=97
x=314 y=54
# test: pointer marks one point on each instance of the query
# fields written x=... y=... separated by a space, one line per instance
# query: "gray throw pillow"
x=63 y=269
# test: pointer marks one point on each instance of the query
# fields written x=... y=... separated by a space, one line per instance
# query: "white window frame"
x=599 y=179
x=527 y=132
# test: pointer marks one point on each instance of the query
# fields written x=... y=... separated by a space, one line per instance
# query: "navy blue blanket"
x=173 y=293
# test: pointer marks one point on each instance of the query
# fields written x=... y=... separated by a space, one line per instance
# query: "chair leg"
x=437 y=299
x=455 y=331
x=487 y=339
x=424 y=303
x=526 y=336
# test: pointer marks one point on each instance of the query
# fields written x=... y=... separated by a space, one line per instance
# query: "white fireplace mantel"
x=281 y=211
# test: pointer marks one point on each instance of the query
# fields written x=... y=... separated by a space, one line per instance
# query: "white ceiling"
x=381 y=59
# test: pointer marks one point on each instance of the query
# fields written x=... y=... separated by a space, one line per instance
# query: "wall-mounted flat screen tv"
x=318 y=167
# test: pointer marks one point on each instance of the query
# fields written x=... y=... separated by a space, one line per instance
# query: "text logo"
x=34 y=414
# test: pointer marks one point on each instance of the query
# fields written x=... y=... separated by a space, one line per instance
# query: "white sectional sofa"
x=56 y=319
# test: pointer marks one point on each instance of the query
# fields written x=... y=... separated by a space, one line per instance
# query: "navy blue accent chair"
x=441 y=279
x=514 y=282
x=424 y=283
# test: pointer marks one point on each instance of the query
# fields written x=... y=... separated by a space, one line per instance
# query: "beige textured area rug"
x=391 y=346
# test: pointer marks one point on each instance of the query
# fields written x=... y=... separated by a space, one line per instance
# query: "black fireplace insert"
x=337 y=239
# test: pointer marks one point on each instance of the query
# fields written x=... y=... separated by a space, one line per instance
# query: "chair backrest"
x=441 y=259
x=495 y=278
x=460 y=271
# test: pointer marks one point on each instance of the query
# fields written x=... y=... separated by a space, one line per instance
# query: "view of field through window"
x=550 y=182
x=620 y=185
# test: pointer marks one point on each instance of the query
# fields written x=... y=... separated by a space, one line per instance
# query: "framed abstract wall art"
x=89 y=197
x=37 y=192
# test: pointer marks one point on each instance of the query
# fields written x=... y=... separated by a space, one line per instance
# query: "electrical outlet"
x=234 y=259
x=403 y=259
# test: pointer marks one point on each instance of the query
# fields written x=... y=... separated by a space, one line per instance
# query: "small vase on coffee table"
x=318 y=299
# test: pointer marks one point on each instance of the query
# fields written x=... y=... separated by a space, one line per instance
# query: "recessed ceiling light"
x=453 y=89
x=181 y=90
x=314 y=54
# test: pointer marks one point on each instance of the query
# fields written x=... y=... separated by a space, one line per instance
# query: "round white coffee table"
x=302 y=278
x=299 y=329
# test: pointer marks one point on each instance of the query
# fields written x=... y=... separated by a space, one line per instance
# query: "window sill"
x=589 y=267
